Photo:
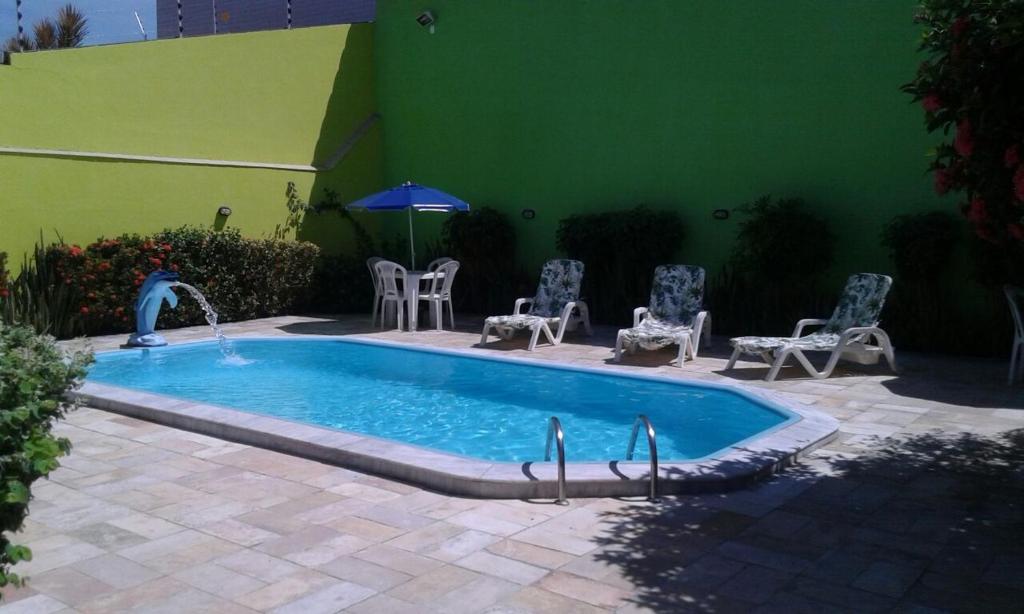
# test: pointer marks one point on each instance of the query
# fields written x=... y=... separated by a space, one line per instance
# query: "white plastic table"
x=412 y=291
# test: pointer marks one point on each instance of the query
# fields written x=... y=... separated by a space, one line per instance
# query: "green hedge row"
x=67 y=290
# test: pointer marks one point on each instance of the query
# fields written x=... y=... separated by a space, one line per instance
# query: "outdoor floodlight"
x=225 y=211
x=426 y=19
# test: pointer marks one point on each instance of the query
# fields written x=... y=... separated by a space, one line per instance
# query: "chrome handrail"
x=555 y=431
x=652 y=445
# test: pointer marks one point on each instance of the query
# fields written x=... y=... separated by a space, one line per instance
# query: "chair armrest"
x=698 y=321
x=798 y=331
x=519 y=305
x=857 y=331
x=638 y=314
x=567 y=310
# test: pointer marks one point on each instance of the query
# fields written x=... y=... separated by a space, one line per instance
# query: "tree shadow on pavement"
x=931 y=520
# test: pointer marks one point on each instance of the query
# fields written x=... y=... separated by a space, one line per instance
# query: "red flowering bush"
x=971 y=85
x=242 y=278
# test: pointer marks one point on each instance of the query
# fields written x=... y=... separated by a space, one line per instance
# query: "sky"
x=110 y=21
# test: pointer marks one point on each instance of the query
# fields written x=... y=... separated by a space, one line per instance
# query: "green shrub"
x=921 y=246
x=67 y=290
x=34 y=376
x=773 y=277
x=484 y=243
x=242 y=278
x=39 y=298
x=4 y=290
x=620 y=250
x=931 y=286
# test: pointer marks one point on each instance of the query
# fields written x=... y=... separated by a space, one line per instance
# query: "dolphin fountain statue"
x=154 y=291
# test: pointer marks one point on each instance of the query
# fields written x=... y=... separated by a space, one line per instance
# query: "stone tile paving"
x=915 y=507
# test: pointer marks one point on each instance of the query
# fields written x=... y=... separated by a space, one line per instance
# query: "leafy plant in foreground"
x=34 y=377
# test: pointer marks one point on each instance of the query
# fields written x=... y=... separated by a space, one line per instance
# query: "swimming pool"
x=496 y=410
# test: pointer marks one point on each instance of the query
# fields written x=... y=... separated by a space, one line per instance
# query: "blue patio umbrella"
x=410 y=197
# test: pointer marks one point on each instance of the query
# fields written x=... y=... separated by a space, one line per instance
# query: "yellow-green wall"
x=286 y=97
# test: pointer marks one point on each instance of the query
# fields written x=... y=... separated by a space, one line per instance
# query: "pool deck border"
x=737 y=467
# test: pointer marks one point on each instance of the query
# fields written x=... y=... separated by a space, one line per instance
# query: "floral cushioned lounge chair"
x=674 y=314
x=846 y=334
x=558 y=295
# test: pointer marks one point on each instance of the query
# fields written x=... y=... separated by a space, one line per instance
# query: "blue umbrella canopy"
x=410 y=197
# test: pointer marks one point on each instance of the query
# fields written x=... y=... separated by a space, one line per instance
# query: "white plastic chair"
x=851 y=333
x=389 y=273
x=425 y=282
x=378 y=292
x=441 y=292
x=437 y=262
x=1015 y=296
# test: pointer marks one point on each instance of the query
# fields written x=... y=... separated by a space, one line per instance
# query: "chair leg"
x=451 y=314
x=438 y=313
x=780 y=359
x=373 y=313
x=536 y=334
x=383 y=311
x=833 y=360
x=685 y=347
x=1014 y=358
x=732 y=359
x=883 y=341
x=555 y=339
x=585 y=317
x=399 y=308
x=483 y=336
x=618 y=347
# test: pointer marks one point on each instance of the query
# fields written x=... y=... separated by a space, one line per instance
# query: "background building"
x=198 y=16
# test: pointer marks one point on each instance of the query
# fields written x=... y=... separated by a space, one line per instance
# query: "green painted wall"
x=285 y=96
x=598 y=104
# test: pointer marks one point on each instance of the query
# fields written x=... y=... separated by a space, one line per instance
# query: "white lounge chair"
x=673 y=316
x=1016 y=298
x=847 y=334
x=556 y=304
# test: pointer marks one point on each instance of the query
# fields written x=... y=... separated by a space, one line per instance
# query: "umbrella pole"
x=412 y=242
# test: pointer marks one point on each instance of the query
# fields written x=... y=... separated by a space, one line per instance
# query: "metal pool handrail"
x=652 y=445
x=555 y=431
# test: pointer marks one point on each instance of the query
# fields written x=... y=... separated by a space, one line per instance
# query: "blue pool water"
x=490 y=409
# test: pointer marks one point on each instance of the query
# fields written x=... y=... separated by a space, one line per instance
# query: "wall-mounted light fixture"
x=427 y=20
x=224 y=211
x=720 y=214
x=528 y=214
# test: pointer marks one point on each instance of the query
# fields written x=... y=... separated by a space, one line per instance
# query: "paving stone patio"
x=916 y=507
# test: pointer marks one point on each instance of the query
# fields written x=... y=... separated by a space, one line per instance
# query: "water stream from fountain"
x=226 y=349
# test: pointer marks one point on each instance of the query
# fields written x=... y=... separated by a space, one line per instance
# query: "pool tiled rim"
x=739 y=466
